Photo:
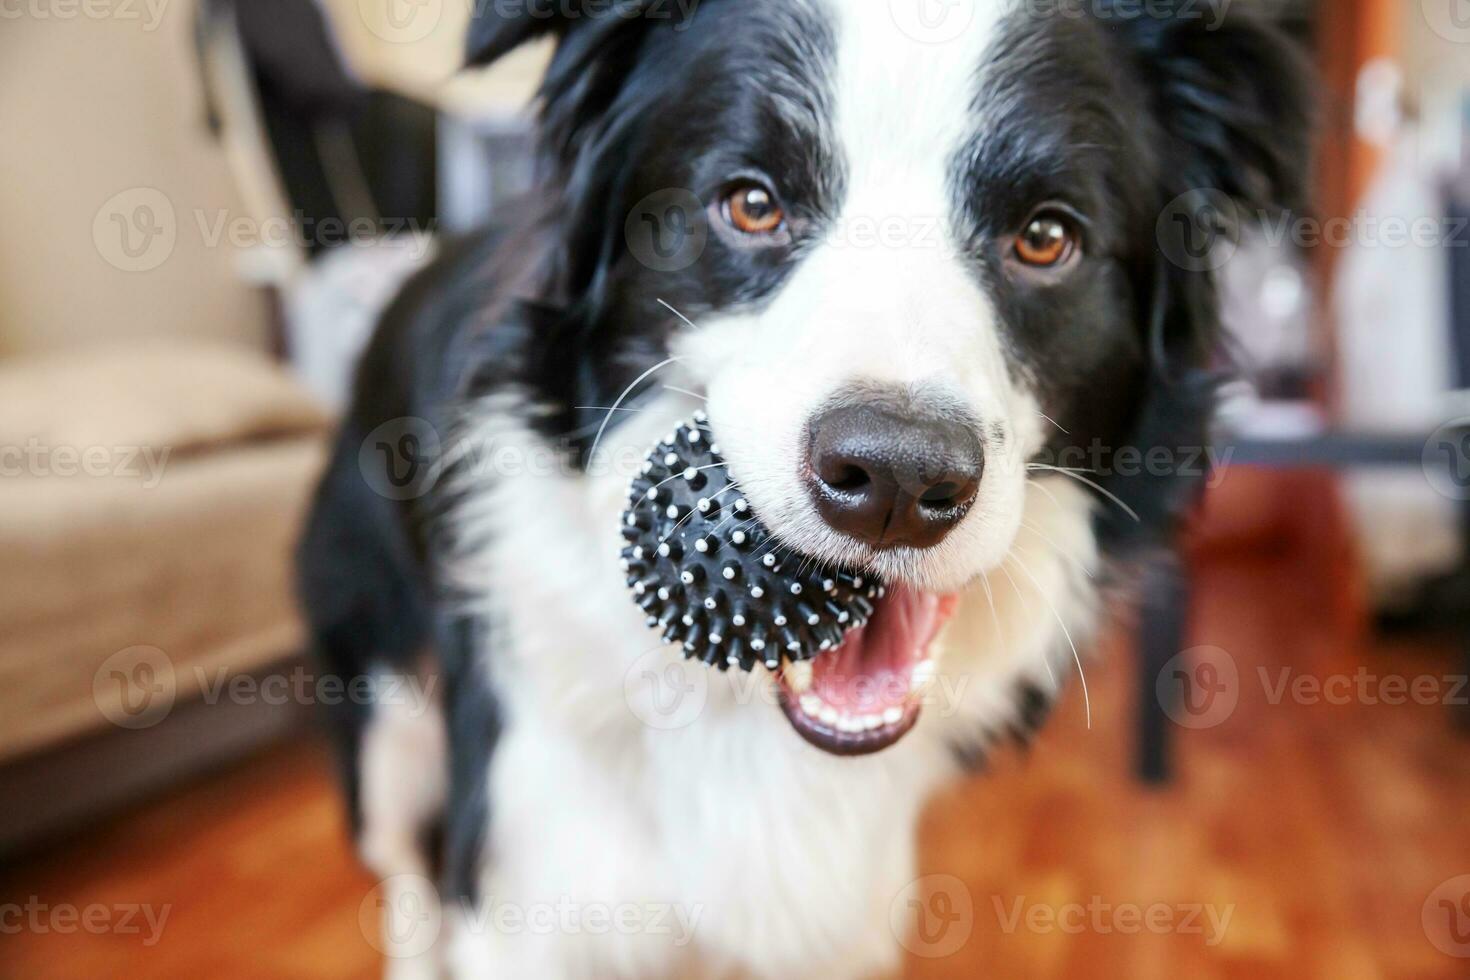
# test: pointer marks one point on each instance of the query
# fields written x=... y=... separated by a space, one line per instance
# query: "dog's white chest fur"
x=663 y=818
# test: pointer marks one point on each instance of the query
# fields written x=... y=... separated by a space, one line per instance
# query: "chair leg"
x=1462 y=712
x=1163 y=617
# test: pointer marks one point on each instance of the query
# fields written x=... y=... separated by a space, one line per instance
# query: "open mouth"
x=866 y=694
x=715 y=580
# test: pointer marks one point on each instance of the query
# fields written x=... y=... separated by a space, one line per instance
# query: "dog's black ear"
x=491 y=36
x=597 y=45
x=497 y=27
x=1229 y=89
x=1231 y=131
x=1230 y=137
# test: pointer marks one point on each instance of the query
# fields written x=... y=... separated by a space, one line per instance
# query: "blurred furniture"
x=345 y=173
x=150 y=497
x=367 y=177
x=1352 y=40
x=309 y=141
x=1296 y=437
x=1164 y=613
x=105 y=106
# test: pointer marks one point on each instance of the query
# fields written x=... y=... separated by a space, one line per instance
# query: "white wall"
x=90 y=107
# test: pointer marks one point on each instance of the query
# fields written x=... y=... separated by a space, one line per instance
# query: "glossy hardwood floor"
x=1302 y=840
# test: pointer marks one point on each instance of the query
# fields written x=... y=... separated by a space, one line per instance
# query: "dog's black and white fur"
x=536 y=777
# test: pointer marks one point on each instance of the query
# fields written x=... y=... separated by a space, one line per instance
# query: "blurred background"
x=206 y=203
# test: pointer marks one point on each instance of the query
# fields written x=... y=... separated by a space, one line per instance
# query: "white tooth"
x=829 y=716
x=871 y=722
x=893 y=716
x=811 y=704
x=851 y=725
x=923 y=674
x=799 y=676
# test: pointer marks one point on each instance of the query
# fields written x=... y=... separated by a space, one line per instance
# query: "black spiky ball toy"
x=712 y=578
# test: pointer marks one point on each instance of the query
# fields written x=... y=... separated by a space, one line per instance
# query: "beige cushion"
x=187 y=552
x=179 y=397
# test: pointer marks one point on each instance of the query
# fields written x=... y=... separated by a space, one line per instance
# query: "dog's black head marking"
x=1111 y=112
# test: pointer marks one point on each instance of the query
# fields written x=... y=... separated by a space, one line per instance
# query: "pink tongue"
x=872 y=669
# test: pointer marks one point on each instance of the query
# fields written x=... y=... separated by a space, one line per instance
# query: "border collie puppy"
x=918 y=274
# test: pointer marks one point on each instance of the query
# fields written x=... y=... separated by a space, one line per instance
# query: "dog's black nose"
x=888 y=479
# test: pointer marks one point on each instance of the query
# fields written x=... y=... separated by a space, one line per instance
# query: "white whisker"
x=1102 y=490
x=680 y=475
x=1044 y=489
x=995 y=622
x=686 y=391
x=668 y=306
x=1076 y=657
x=619 y=401
x=1054 y=422
x=1056 y=547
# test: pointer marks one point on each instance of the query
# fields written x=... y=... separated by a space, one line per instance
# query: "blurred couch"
x=150 y=496
x=155 y=456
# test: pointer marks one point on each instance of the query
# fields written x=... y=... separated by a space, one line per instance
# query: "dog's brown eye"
x=1047 y=241
x=752 y=210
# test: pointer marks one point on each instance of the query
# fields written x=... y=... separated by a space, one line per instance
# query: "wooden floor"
x=1319 y=830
